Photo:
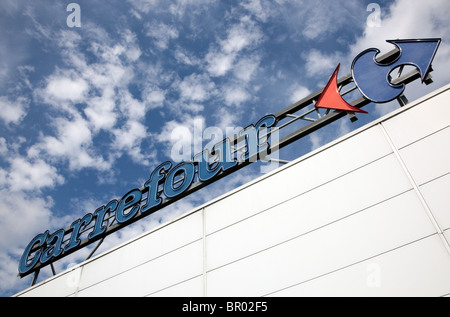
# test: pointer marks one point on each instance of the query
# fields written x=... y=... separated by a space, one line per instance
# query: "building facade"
x=366 y=215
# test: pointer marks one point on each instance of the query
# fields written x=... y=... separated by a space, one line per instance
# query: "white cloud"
x=128 y=140
x=235 y=95
x=240 y=36
x=298 y=92
x=161 y=33
x=31 y=176
x=310 y=20
x=132 y=50
x=130 y=107
x=144 y=6
x=13 y=111
x=3 y=147
x=226 y=119
x=194 y=7
x=221 y=58
x=196 y=87
x=8 y=273
x=100 y=82
x=154 y=97
x=219 y=63
x=63 y=88
x=73 y=143
x=22 y=216
x=184 y=138
x=16 y=48
x=316 y=140
x=69 y=39
x=101 y=111
x=246 y=68
x=185 y=57
x=322 y=64
x=262 y=10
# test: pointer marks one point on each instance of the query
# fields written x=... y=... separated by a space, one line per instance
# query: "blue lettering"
x=162 y=180
x=222 y=151
x=170 y=188
x=76 y=227
x=132 y=199
x=268 y=122
x=252 y=137
x=152 y=184
x=55 y=248
x=24 y=264
x=99 y=214
x=205 y=171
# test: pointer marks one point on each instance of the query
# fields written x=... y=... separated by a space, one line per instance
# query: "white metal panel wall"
x=368 y=215
x=150 y=263
x=417 y=269
x=421 y=134
x=307 y=174
x=166 y=254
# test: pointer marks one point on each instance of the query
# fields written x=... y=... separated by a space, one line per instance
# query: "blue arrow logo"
x=372 y=78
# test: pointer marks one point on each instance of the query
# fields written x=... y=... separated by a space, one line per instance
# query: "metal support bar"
x=270 y=159
x=318 y=113
x=96 y=248
x=349 y=91
x=53 y=269
x=402 y=100
x=35 y=277
x=400 y=71
x=352 y=116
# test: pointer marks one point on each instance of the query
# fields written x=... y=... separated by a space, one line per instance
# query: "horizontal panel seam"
x=423 y=137
x=434 y=179
x=310 y=231
x=178 y=283
x=303 y=193
x=349 y=265
x=427 y=209
x=141 y=264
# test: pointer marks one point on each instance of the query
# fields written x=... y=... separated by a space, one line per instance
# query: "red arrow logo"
x=332 y=99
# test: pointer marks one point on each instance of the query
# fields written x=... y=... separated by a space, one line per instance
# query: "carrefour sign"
x=168 y=183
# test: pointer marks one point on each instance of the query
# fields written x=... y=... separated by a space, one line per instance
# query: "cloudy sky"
x=87 y=113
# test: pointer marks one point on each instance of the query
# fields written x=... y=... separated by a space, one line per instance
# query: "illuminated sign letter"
x=40 y=239
x=132 y=199
x=152 y=184
x=252 y=136
x=206 y=171
x=170 y=188
x=221 y=151
x=99 y=215
x=54 y=249
x=76 y=227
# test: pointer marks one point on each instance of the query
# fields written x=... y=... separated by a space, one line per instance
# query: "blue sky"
x=86 y=113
